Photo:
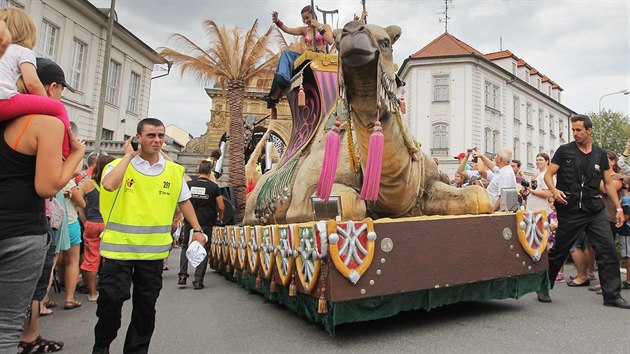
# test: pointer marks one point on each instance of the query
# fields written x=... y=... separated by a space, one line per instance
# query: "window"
x=516 y=149
x=47 y=39
x=440 y=136
x=558 y=96
x=541 y=120
x=134 y=88
x=528 y=114
x=516 y=108
x=492 y=96
x=541 y=149
x=440 y=89
x=495 y=141
x=112 y=82
x=513 y=68
x=538 y=83
x=552 y=125
x=487 y=137
x=126 y=137
x=530 y=155
x=78 y=58
x=527 y=76
x=9 y=3
x=549 y=91
x=107 y=134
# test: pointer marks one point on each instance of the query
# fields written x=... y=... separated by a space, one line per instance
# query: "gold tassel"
x=228 y=269
x=274 y=113
x=258 y=282
x=272 y=287
x=235 y=273
x=244 y=274
x=292 y=287
x=322 y=307
x=301 y=97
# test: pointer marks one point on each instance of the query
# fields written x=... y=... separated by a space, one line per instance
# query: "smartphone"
x=134 y=143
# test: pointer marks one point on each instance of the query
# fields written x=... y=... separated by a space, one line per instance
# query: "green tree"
x=233 y=59
x=611 y=130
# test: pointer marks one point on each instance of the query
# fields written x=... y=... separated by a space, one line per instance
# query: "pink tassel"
x=403 y=105
x=329 y=165
x=372 y=175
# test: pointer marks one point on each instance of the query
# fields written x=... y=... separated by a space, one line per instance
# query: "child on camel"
x=19 y=62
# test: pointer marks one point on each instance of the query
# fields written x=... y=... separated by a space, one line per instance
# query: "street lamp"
x=625 y=92
x=599 y=110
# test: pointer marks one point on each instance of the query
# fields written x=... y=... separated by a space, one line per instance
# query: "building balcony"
x=439 y=152
x=493 y=110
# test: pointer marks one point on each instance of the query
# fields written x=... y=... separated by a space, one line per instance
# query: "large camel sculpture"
x=410 y=184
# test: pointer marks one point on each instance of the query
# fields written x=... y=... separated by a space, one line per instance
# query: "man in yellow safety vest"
x=138 y=197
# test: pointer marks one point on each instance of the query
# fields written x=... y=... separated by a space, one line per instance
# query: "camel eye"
x=385 y=44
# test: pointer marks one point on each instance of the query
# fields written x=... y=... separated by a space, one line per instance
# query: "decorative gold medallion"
x=351 y=247
x=265 y=253
x=283 y=241
x=533 y=232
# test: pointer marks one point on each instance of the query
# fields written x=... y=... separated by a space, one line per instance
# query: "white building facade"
x=458 y=98
x=73 y=34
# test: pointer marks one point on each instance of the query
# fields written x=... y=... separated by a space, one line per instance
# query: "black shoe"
x=182 y=280
x=572 y=283
x=100 y=350
x=198 y=286
x=543 y=296
x=618 y=302
x=271 y=103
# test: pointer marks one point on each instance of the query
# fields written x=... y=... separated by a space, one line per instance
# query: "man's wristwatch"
x=197 y=230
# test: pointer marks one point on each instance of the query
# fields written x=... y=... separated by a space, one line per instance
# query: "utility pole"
x=104 y=76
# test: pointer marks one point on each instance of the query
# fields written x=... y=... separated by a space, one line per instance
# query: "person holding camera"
x=503 y=176
x=537 y=191
x=478 y=171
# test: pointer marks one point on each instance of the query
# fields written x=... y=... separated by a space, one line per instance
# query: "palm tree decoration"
x=232 y=59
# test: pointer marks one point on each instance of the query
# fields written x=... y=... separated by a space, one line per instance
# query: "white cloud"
x=583 y=45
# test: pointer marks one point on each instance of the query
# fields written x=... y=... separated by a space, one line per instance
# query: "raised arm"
x=112 y=179
x=298 y=31
x=31 y=81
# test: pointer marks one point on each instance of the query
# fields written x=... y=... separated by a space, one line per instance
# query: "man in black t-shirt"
x=580 y=167
x=208 y=203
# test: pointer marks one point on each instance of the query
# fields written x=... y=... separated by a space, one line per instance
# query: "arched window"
x=517 y=149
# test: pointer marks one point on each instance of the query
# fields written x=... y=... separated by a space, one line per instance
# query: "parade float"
x=355 y=222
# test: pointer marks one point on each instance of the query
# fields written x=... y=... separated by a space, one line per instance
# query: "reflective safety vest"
x=138 y=215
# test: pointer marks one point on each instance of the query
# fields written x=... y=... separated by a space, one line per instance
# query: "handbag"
x=56 y=213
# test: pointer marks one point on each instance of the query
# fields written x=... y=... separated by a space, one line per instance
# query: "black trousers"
x=200 y=271
x=115 y=279
x=597 y=228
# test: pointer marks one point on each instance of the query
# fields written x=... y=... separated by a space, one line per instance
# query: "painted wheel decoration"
x=225 y=246
x=242 y=247
x=352 y=247
x=533 y=232
x=283 y=239
x=213 y=245
x=267 y=260
x=233 y=245
x=311 y=246
x=252 y=247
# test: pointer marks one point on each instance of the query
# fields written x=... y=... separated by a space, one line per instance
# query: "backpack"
x=56 y=213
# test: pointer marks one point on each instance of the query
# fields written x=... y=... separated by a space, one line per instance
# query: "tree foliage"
x=233 y=58
x=611 y=130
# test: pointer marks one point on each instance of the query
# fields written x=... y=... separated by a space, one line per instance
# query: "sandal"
x=71 y=305
x=39 y=345
x=50 y=304
x=595 y=287
x=45 y=312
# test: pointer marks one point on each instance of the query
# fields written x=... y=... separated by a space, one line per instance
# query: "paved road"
x=224 y=318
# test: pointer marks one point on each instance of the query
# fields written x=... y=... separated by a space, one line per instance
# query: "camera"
x=533 y=184
x=474 y=159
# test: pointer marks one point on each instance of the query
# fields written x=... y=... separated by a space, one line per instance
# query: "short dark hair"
x=517 y=162
x=588 y=123
x=215 y=154
x=101 y=162
x=148 y=121
x=205 y=167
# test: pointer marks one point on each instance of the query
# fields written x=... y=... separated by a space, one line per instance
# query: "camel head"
x=366 y=56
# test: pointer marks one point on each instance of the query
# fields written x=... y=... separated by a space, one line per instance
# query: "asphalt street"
x=224 y=318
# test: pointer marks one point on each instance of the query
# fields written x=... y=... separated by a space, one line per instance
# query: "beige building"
x=73 y=33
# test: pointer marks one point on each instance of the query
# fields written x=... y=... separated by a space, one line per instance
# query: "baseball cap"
x=460 y=156
x=49 y=72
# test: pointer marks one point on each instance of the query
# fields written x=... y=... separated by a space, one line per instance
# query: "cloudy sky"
x=583 y=45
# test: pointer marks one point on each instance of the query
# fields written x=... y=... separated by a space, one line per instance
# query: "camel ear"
x=337 y=34
x=394 y=33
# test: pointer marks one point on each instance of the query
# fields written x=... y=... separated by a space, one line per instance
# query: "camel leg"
x=444 y=200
